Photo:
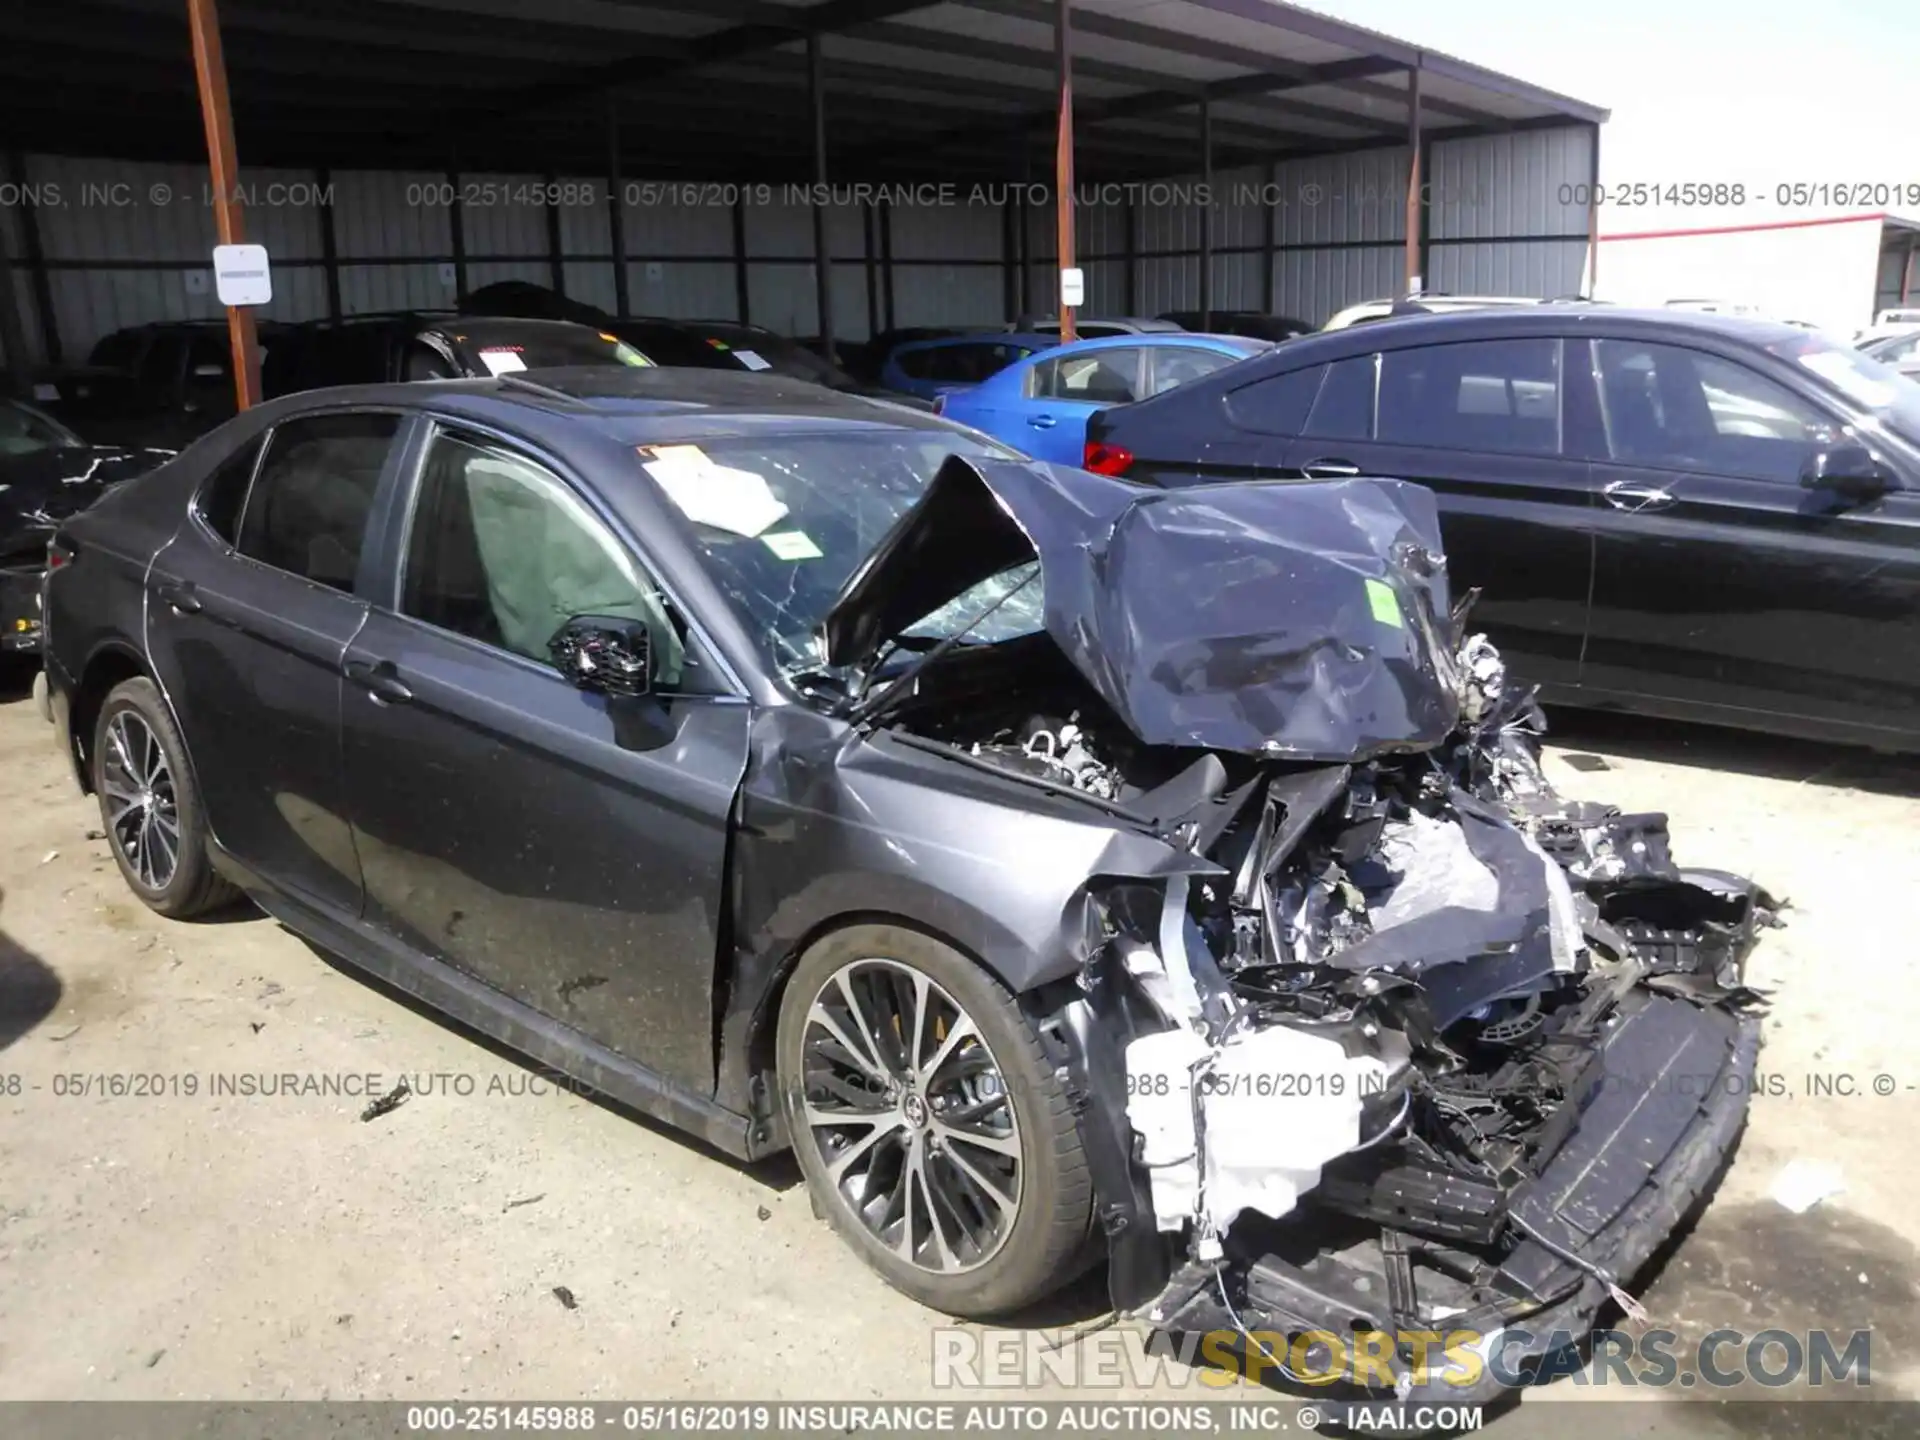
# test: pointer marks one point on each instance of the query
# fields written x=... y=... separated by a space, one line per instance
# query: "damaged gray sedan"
x=1061 y=867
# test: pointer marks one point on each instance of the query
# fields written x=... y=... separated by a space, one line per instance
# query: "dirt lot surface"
x=202 y=1245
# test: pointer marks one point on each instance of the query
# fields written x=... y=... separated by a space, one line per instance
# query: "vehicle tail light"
x=60 y=554
x=940 y=403
x=1107 y=459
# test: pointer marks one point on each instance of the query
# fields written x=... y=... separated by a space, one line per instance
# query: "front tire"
x=150 y=807
x=932 y=1132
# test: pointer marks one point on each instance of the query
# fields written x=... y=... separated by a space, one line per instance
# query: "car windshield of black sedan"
x=1862 y=379
x=25 y=431
x=503 y=353
x=782 y=522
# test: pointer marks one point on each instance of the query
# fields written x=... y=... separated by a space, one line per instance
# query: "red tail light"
x=940 y=403
x=1107 y=459
x=59 y=555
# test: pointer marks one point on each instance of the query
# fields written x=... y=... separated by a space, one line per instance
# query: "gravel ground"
x=178 y=1245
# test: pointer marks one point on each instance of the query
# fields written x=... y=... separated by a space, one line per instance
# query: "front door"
x=1720 y=580
x=249 y=612
x=519 y=829
x=1066 y=390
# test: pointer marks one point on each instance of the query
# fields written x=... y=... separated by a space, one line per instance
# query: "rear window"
x=1501 y=396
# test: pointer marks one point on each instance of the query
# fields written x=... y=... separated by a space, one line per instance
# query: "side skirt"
x=471 y=1003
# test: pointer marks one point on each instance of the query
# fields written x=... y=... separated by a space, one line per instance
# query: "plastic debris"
x=389 y=1102
x=1803 y=1184
x=565 y=1297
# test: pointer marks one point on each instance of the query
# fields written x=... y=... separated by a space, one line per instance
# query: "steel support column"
x=617 y=210
x=210 y=75
x=1593 y=214
x=1063 y=158
x=822 y=257
x=1206 y=214
x=1414 y=180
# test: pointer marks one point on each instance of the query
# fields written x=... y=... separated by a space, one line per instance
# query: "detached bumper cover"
x=1661 y=1107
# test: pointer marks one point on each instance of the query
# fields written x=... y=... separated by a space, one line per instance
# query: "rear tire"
x=957 y=1172
x=150 y=808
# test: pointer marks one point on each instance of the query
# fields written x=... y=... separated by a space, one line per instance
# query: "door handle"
x=1042 y=422
x=1329 y=469
x=1633 y=497
x=380 y=679
x=179 y=594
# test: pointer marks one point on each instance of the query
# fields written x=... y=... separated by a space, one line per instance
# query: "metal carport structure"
x=1314 y=138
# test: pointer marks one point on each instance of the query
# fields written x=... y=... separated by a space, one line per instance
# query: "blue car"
x=1041 y=404
x=932 y=368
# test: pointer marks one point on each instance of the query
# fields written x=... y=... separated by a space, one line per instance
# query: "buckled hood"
x=1304 y=621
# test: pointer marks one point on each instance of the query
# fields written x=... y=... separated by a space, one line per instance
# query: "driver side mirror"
x=1848 y=470
x=608 y=654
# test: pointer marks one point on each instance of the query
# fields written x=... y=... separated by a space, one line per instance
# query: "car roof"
x=1163 y=339
x=634 y=405
x=1548 y=315
x=983 y=337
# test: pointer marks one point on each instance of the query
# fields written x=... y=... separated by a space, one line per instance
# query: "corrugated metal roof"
x=718 y=88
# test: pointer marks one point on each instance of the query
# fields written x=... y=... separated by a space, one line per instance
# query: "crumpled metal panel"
x=1301 y=621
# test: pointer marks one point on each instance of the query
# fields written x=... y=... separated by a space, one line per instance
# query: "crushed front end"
x=1393 y=1039
x=1438 y=1053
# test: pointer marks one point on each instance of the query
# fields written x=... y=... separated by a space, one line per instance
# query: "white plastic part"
x=1278 y=1105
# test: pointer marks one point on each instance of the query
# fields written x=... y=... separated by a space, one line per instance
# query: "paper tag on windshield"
x=737 y=501
x=792 y=545
x=1384 y=604
x=753 y=360
x=502 y=362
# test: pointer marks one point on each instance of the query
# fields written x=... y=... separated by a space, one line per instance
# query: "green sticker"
x=792 y=545
x=1384 y=604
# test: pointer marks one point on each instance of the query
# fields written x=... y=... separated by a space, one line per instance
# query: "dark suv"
x=1693 y=516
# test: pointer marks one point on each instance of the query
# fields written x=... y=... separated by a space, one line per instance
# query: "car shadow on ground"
x=16 y=677
x=778 y=1173
x=29 y=990
x=1745 y=752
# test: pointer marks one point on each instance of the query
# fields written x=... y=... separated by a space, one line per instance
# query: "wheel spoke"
x=930 y=1193
x=916 y=1034
x=1004 y=1202
x=839 y=1161
x=166 y=845
x=984 y=1139
x=869 y=1037
x=957 y=1034
x=856 y=1056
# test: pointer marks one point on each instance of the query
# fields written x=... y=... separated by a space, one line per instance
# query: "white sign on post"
x=1073 y=288
x=241 y=275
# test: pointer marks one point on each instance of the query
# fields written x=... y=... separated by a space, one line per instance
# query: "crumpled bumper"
x=1660 y=1108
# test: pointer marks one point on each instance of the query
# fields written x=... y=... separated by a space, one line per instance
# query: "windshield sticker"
x=502 y=362
x=792 y=545
x=737 y=501
x=1384 y=604
x=753 y=360
x=1841 y=371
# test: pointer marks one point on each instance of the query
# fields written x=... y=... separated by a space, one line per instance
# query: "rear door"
x=249 y=613
x=1722 y=582
x=1065 y=390
x=1497 y=428
x=567 y=851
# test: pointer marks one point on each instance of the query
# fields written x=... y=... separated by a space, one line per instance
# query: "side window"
x=1668 y=406
x=503 y=552
x=225 y=491
x=916 y=364
x=1279 y=404
x=307 y=513
x=1492 y=395
x=1177 y=364
x=1343 y=410
x=1104 y=377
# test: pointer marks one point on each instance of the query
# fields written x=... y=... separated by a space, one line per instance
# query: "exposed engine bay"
x=1361 y=1036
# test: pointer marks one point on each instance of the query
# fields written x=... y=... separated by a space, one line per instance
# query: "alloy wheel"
x=143 y=812
x=911 y=1116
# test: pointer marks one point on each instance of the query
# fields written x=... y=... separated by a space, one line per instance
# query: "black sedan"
x=47 y=473
x=1688 y=515
x=1054 y=864
x=409 y=345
